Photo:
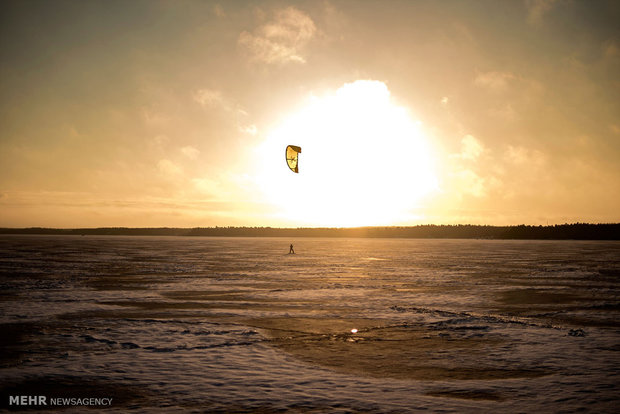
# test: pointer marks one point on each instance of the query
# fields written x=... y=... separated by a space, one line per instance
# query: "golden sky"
x=177 y=113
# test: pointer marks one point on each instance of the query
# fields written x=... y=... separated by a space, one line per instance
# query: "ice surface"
x=236 y=324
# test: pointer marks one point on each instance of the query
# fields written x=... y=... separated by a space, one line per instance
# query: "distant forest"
x=575 y=231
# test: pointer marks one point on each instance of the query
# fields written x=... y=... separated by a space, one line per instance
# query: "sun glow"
x=364 y=161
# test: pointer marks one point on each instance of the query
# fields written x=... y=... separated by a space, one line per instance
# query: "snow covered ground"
x=344 y=325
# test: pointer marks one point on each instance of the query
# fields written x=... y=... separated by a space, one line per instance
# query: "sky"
x=177 y=113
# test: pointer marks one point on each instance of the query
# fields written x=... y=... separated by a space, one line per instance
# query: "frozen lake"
x=344 y=325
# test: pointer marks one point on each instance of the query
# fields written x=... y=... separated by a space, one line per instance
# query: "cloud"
x=168 y=168
x=494 y=81
x=611 y=50
x=471 y=148
x=505 y=112
x=208 y=187
x=158 y=143
x=524 y=156
x=223 y=186
x=154 y=118
x=249 y=129
x=468 y=176
x=190 y=152
x=536 y=9
x=213 y=99
x=280 y=40
x=470 y=183
x=208 y=98
x=219 y=11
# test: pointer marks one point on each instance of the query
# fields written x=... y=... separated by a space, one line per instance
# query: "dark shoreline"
x=575 y=231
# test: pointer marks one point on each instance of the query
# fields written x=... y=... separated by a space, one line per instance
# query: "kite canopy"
x=292 y=157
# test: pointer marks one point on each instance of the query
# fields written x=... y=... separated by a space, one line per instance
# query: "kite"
x=292 y=157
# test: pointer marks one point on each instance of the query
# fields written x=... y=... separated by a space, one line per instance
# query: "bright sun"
x=364 y=161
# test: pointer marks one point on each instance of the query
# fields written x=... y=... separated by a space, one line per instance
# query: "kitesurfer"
x=291 y=250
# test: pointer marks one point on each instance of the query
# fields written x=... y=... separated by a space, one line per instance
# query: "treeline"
x=575 y=231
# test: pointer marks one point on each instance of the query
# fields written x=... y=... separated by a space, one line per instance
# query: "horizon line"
x=310 y=227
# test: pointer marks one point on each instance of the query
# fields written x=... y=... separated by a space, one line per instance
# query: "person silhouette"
x=291 y=250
